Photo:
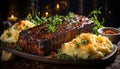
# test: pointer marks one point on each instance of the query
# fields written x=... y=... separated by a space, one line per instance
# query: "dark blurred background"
x=22 y=8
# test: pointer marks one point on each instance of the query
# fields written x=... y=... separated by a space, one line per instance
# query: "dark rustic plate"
x=48 y=59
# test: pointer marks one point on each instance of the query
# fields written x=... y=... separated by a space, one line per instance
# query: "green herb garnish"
x=69 y=16
x=27 y=27
x=94 y=15
x=77 y=44
x=9 y=34
x=63 y=56
x=84 y=42
x=18 y=47
x=50 y=28
x=52 y=21
x=75 y=58
x=56 y=20
x=15 y=27
x=37 y=21
x=66 y=57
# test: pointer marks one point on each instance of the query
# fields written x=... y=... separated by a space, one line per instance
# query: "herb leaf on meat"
x=51 y=21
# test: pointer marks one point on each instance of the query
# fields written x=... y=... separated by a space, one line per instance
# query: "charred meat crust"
x=39 y=41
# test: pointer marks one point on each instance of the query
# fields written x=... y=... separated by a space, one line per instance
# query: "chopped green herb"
x=27 y=27
x=75 y=58
x=63 y=56
x=77 y=44
x=84 y=41
x=56 y=21
x=37 y=21
x=94 y=15
x=15 y=27
x=51 y=21
x=50 y=28
x=66 y=57
x=18 y=47
x=44 y=19
x=9 y=34
x=69 y=16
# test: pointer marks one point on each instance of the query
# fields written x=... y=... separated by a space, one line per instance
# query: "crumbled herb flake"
x=63 y=56
x=9 y=34
x=50 y=28
x=15 y=27
x=75 y=58
x=18 y=47
x=77 y=44
x=84 y=42
x=27 y=27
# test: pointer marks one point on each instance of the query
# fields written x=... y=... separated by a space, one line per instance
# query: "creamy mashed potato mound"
x=11 y=34
x=87 y=46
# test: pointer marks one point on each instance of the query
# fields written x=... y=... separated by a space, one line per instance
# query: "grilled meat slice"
x=38 y=40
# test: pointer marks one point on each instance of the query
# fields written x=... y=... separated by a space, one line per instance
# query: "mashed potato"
x=12 y=33
x=87 y=46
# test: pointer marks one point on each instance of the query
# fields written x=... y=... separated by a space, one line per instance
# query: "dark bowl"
x=52 y=60
x=114 y=38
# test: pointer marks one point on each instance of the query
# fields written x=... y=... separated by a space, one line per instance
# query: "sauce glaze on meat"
x=39 y=41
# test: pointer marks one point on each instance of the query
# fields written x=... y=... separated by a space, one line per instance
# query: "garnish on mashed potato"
x=87 y=46
x=11 y=34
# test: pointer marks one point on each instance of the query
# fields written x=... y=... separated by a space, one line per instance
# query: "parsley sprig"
x=36 y=20
x=18 y=47
x=63 y=56
x=51 y=21
x=94 y=16
x=78 y=44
